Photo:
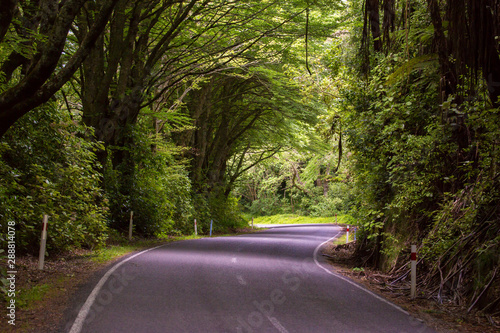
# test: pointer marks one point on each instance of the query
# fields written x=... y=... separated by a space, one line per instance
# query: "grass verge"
x=297 y=219
x=26 y=297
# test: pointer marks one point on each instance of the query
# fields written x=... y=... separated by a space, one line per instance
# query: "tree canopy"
x=384 y=110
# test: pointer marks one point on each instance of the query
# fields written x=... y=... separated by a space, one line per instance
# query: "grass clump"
x=27 y=296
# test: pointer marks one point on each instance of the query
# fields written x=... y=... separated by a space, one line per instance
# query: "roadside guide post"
x=43 y=242
x=211 y=224
x=347 y=236
x=195 y=228
x=413 y=263
x=130 y=225
x=252 y=222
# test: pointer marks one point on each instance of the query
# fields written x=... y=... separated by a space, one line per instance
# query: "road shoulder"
x=440 y=317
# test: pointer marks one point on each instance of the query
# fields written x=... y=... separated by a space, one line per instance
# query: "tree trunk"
x=449 y=80
x=6 y=16
x=388 y=24
x=485 y=25
x=43 y=80
x=372 y=7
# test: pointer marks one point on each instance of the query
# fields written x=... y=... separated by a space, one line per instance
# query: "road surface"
x=270 y=281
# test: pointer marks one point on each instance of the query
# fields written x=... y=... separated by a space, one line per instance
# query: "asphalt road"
x=270 y=281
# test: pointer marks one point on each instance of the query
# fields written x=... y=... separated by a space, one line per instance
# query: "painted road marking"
x=84 y=311
x=315 y=257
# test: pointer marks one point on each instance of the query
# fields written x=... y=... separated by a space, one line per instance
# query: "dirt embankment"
x=445 y=317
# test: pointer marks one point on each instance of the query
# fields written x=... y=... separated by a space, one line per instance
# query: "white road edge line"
x=84 y=311
x=315 y=257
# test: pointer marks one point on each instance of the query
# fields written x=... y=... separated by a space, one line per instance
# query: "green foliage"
x=422 y=151
x=269 y=122
x=298 y=219
x=26 y=297
x=296 y=183
x=153 y=183
x=47 y=167
x=338 y=200
x=396 y=142
x=224 y=211
x=469 y=205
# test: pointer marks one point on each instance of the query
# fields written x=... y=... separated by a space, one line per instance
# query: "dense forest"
x=386 y=110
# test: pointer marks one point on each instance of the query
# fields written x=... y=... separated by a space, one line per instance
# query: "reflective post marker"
x=211 y=224
x=195 y=228
x=43 y=242
x=130 y=225
x=347 y=236
x=335 y=218
x=413 y=263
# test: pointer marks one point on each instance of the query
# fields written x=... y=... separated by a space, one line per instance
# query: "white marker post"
x=211 y=224
x=130 y=225
x=413 y=263
x=252 y=222
x=195 y=228
x=347 y=236
x=336 y=219
x=43 y=242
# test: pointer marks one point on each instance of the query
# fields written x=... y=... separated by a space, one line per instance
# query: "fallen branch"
x=484 y=290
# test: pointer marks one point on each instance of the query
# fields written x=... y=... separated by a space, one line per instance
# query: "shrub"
x=47 y=167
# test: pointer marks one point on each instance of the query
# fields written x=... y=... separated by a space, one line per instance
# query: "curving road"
x=270 y=281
